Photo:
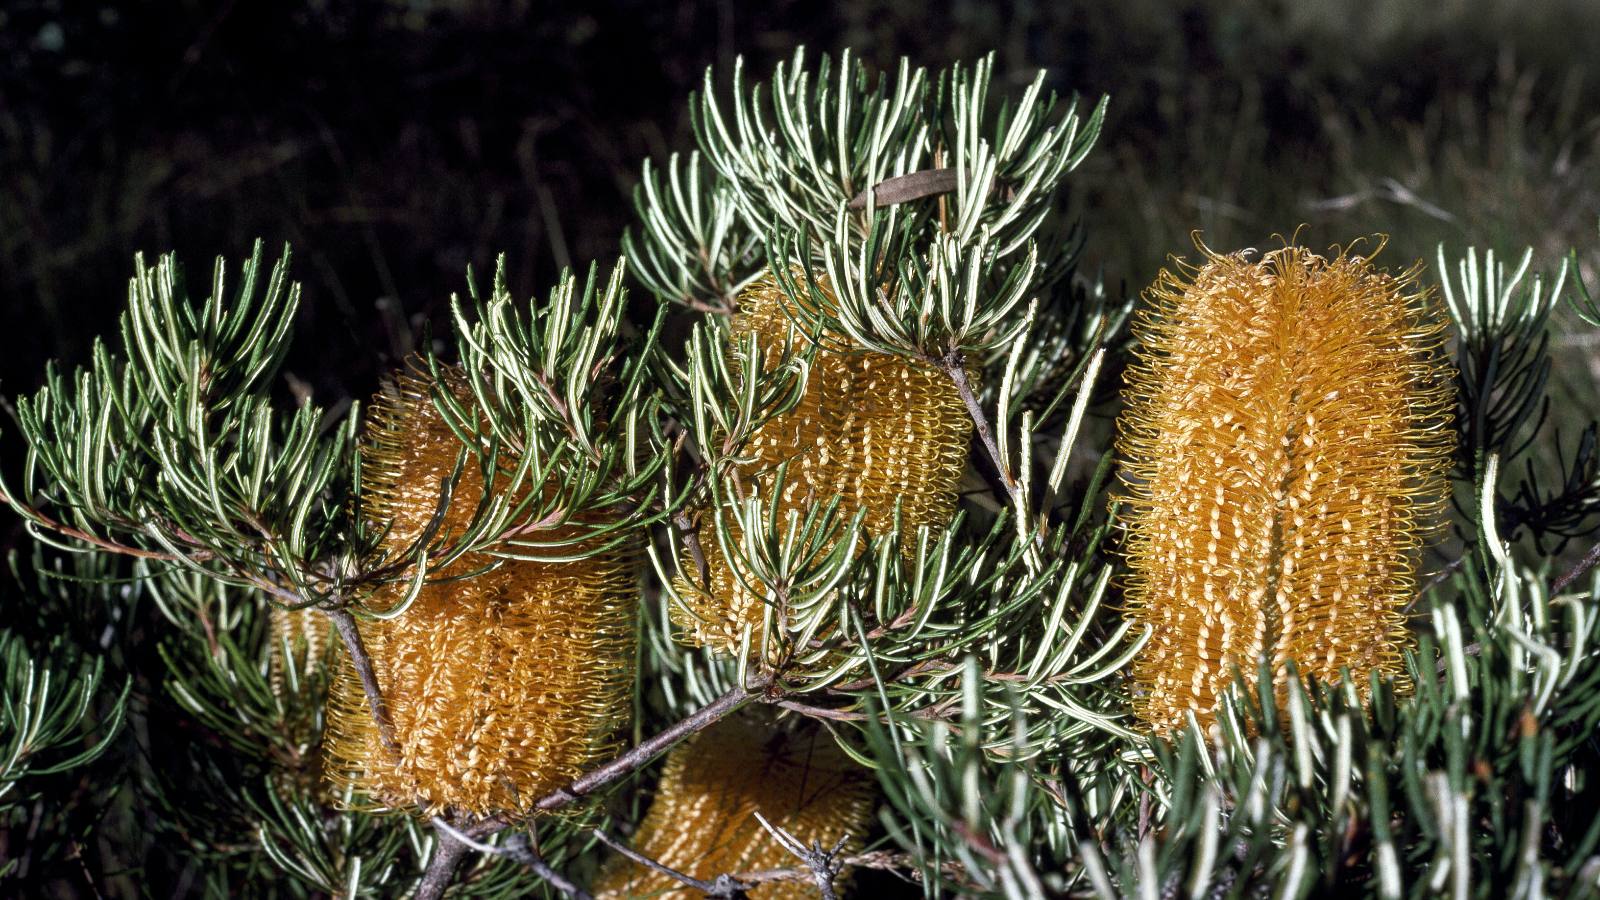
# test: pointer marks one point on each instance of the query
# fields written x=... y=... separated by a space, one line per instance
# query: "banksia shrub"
x=1285 y=449
x=1285 y=443
x=886 y=434
x=702 y=821
x=502 y=682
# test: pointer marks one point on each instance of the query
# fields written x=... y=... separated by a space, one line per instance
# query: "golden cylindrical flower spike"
x=1285 y=449
x=702 y=821
x=872 y=429
x=502 y=683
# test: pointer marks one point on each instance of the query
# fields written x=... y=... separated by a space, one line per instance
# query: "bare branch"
x=725 y=886
x=639 y=756
x=825 y=865
x=954 y=365
x=345 y=624
x=1589 y=561
x=620 y=767
x=519 y=847
x=451 y=846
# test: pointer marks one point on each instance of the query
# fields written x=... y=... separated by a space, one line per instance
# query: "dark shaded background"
x=393 y=143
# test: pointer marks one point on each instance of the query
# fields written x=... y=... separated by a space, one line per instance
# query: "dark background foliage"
x=395 y=143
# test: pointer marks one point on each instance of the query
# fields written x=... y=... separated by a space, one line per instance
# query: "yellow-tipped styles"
x=1285 y=449
x=872 y=429
x=702 y=821
x=502 y=683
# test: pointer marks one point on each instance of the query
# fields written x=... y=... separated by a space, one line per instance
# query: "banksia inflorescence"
x=503 y=682
x=702 y=821
x=1285 y=449
x=883 y=433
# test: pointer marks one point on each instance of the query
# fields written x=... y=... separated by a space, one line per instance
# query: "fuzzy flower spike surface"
x=702 y=821
x=503 y=682
x=1285 y=449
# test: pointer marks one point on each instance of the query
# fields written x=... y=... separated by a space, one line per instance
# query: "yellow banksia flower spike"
x=502 y=683
x=1285 y=450
x=873 y=429
x=702 y=821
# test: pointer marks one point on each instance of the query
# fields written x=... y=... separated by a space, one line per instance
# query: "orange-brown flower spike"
x=702 y=822
x=502 y=683
x=871 y=429
x=1285 y=449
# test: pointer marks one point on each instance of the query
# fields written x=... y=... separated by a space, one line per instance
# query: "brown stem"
x=525 y=853
x=591 y=781
x=725 y=886
x=639 y=756
x=954 y=365
x=345 y=624
x=1589 y=561
x=110 y=546
x=441 y=867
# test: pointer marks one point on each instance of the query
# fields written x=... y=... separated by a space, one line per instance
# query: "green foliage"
x=46 y=703
x=1479 y=783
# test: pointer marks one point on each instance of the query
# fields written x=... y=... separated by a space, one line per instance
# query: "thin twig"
x=595 y=779
x=521 y=849
x=345 y=624
x=1588 y=562
x=518 y=847
x=641 y=755
x=725 y=886
x=824 y=864
x=36 y=517
x=1443 y=574
x=954 y=365
x=901 y=864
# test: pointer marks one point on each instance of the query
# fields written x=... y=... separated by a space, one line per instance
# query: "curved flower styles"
x=872 y=429
x=502 y=683
x=1285 y=449
x=702 y=822
x=299 y=642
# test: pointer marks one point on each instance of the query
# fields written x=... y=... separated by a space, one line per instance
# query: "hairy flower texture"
x=502 y=683
x=1285 y=449
x=872 y=429
x=702 y=821
x=299 y=646
x=299 y=642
